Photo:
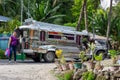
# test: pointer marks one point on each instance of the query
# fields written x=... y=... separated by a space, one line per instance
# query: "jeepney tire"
x=103 y=52
x=49 y=57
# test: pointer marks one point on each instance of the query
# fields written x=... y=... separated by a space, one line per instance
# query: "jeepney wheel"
x=49 y=57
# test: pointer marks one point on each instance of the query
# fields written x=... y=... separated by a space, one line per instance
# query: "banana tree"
x=45 y=12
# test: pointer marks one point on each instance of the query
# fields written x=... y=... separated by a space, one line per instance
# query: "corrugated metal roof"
x=4 y=19
x=52 y=27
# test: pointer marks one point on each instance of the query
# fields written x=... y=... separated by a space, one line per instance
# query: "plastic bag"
x=7 y=52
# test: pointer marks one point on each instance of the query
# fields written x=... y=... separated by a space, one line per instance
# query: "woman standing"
x=12 y=45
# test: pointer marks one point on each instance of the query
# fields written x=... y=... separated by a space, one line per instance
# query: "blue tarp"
x=4 y=19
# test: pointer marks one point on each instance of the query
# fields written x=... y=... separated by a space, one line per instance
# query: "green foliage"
x=13 y=24
x=118 y=52
x=113 y=53
x=42 y=10
x=89 y=75
x=98 y=57
x=76 y=8
x=10 y=26
x=82 y=56
x=65 y=9
x=70 y=24
x=91 y=46
x=116 y=10
x=2 y=56
x=60 y=78
x=62 y=60
x=66 y=75
x=46 y=12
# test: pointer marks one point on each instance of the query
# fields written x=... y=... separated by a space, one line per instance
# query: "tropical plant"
x=78 y=10
x=98 y=21
x=10 y=26
x=82 y=56
x=62 y=60
x=65 y=9
x=68 y=75
x=44 y=11
x=89 y=75
x=92 y=48
x=113 y=54
x=99 y=58
x=2 y=56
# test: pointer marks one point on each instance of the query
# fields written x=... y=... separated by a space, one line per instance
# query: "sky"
x=106 y=3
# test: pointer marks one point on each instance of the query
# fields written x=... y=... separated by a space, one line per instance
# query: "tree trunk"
x=109 y=22
x=80 y=17
x=85 y=15
x=21 y=11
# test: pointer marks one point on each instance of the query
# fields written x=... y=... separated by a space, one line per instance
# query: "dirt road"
x=26 y=71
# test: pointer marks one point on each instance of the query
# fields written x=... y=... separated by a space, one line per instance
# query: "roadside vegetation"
x=94 y=69
x=2 y=56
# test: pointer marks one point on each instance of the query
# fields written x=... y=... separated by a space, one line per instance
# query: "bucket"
x=77 y=65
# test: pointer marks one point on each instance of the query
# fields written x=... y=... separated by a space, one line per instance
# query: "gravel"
x=26 y=71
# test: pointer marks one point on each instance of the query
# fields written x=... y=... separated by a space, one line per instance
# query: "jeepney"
x=41 y=40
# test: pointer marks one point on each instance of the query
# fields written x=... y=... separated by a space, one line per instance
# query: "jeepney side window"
x=25 y=33
x=68 y=36
x=54 y=35
x=36 y=33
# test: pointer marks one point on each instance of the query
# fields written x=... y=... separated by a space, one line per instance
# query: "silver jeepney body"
x=43 y=37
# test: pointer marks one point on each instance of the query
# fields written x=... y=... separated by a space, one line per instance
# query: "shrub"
x=89 y=75
x=113 y=53
x=65 y=76
x=82 y=56
x=98 y=57
x=68 y=75
x=2 y=56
